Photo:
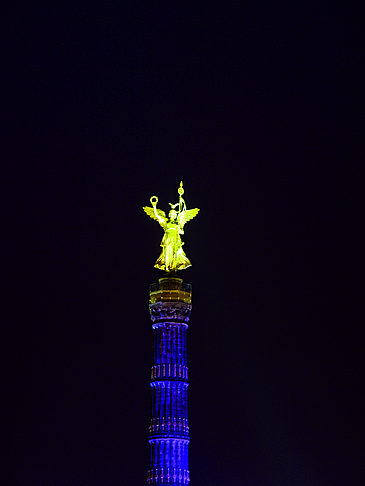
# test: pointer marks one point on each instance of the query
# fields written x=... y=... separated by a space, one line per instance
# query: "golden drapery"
x=172 y=257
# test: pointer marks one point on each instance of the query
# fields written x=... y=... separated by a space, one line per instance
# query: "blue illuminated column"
x=170 y=307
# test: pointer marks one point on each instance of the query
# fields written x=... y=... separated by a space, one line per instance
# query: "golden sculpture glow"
x=172 y=257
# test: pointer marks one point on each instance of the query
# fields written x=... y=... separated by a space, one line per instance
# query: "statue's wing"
x=151 y=214
x=186 y=216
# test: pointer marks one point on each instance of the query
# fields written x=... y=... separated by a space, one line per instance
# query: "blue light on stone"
x=170 y=307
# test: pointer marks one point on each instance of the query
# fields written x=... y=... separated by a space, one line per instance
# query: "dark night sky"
x=252 y=107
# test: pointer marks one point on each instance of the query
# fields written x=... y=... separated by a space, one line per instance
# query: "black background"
x=254 y=108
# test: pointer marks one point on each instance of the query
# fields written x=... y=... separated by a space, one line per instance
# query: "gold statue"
x=172 y=257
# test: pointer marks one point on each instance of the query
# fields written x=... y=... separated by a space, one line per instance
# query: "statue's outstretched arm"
x=155 y=213
x=154 y=201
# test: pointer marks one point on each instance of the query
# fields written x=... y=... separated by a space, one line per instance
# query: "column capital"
x=170 y=311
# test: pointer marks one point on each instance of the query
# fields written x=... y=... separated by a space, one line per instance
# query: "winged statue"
x=172 y=256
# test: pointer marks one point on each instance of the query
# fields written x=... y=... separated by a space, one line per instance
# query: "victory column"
x=170 y=307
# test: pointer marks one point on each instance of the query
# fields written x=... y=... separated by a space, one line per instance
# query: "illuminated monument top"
x=172 y=257
x=170 y=308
